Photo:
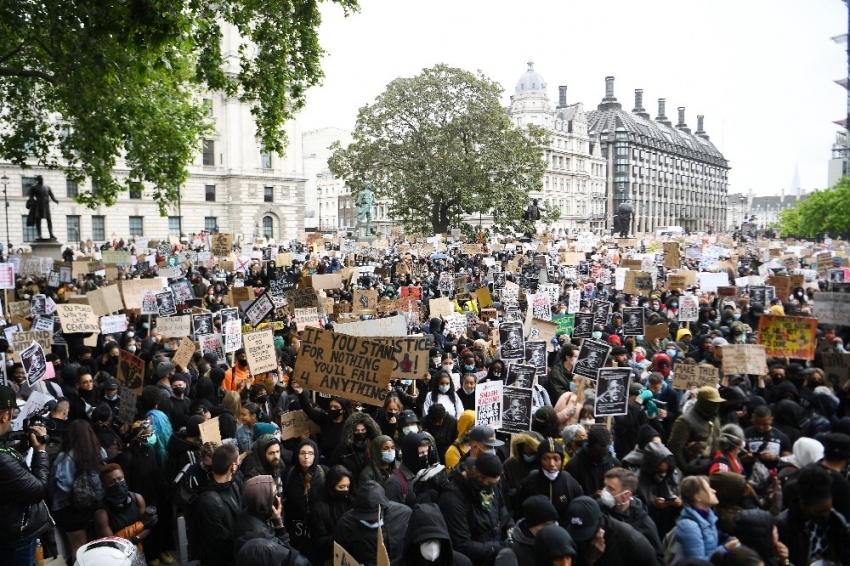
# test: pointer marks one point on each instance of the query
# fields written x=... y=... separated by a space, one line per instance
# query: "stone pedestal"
x=47 y=248
x=368 y=239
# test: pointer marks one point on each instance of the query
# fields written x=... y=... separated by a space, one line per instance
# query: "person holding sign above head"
x=331 y=421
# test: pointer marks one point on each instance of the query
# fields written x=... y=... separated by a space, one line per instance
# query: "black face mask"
x=118 y=495
x=179 y=391
x=335 y=413
x=359 y=437
x=243 y=363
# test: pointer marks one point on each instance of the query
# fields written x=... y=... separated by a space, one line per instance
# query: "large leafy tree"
x=442 y=146
x=85 y=82
x=822 y=212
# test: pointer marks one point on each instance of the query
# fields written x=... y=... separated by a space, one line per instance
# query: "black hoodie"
x=427 y=524
x=552 y=543
x=361 y=541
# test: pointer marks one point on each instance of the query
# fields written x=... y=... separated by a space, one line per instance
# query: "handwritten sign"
x=791 y=336
x=744 y=359
x=131 y=371
x=831 y=308
x=306 y=317
x=338 y=364
x=259 y=309
x=296 y=424
x=174 y=326
x=259 y=349
x=690 y=375
x=183 y=355
x=22 y=340
x=113 y=324
x=77 y=318
x=134 y=289
x=671 y=255
x=210 y=431
x=365 y=301
x=222 y=244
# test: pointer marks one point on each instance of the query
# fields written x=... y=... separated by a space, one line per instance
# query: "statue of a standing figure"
x=38 y=203
x=365 y=200
x=532 y=213
x=624 y=218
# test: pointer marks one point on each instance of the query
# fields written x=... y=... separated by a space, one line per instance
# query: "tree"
x=826 y=211
x=84 y=83
x=441 y=146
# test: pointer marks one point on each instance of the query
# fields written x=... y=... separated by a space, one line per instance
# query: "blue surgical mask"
x=388 y=457
x=671 y=353
x=372 y=525
x=131 y=349
x=443 y=388
x=407 y=382
x=529 y=459
x=151 y=439
x=111 y=397
x=572 y=387
x=640 y=337
x=736 y=316
x=596 y=335
x=469 y=367
x=674 y=305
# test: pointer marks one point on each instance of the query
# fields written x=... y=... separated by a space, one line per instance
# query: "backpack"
x=673 y=549
x=700 y=465
x=87 y=492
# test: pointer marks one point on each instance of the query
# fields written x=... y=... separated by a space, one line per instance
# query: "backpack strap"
x=403 y=480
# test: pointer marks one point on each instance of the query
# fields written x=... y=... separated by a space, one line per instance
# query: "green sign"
x=565 y=323
x=171 y=261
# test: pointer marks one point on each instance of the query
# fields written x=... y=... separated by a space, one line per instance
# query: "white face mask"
x=411 y=429
x=430 y=550
x=551 y=475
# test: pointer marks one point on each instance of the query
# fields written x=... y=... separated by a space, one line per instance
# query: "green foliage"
x=441 y=146
x=85 y=83
x=821 y=212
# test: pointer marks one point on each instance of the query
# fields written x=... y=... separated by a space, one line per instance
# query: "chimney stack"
x=639 y=109
x=662 y=118
x=609 y=87
x=700 y=129
x=562 y=97
x=681 y=125
x=609 y=102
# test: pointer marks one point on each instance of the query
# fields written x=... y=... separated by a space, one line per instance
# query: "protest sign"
x=659 y=330
x=259 y=309
x=232 y=336
x=76 y=318
x=126 y=405
x=791 y=336
x=831 y=308
x=545 y=330
x=296 y=424
x=709 y=282
x=488 y=404
x=744 y=359
x=7 y=276
x=535 y=355
x=222 y=245
x=211 y=343
x=174 y=326
x=782 y=285
x=688 y=309
x=516 y=409
x=456 y=323
x=671 y=255
x=485 y=300
x=113 y=324
x=131 y=371
x=583 y=327
x=410 y=355
x=471 y=249
x=837 y=368
x=692 y=375
x=638 y=283
x=601 y=310
x=210 y=431
x=44 y=323
x=440 y=307
x=676 y=281
x=305 y=318
x=342 y=557
x=202 y=323
x=349 y=366
x=612 y=392
x=511 y=338
x=35 y=403
x=574 y=301
x=165 y=304
x=329 y=281
x=22 y=340
x=259 y=349
x=241 y=294
x=34 y=362
x=633 y=321
x=149 y=303
x=540 y=306
x=520 y=374
x=22 y=309
x=365 y=301
x=591 y=357
x=389 y=326
x=184 y=353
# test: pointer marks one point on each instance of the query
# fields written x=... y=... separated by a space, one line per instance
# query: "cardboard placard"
x=410 y=355
x=174 y=326
x=659 y=330
x=328 y=281
x=365 y=302
x=296 y=424
x=544 y=330
x=222 y=245
x=76 y=318
x=692 y=375
x=744 y=359
x=338 y=364
x=259 y=349
x=210 y=431
x=22 y=340
x=791 y=336
x=440 y=307
x=184 y=353
x=131 y=371
x=306 y=317
x=388 y=326
x=837 y=366
x=676 y=281
x=132 y=290
x=638 y=283
x=832 y=308
x=671 y=255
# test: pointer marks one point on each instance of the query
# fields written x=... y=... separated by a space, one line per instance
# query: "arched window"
x=268 y=227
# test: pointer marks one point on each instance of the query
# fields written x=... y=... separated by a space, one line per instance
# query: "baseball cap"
x=8 y=399
x=709 y=393
x=485 y=435
x=585 y=516
x=408 y=417
x=164 y=368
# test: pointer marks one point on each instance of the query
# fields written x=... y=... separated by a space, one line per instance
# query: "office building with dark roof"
x=672 y=176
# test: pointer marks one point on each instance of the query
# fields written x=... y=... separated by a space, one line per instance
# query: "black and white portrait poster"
x=165 y=304
x=591 y=357
x=520 y=375
x=510 y=336
x=612 y=392
x=583 y=325
x=228 y=314
x=633 y=321
x=535 y=355
x=601 y=310
x=39 y=305
x=202 y=323
x=34 y=363
x=259 y=309
x=516 y=409
x=513 y=314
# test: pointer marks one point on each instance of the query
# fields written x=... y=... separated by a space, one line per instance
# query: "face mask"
x=430 y=550
x=660 y=477
x=596 y=335
x=640 y=337
x=388 y=457
x=359 y=436
x=407 y=382
x=112 y=397
x=167 y=347
x=551 y=475
x=436 y=361
x=372 y=525
x=243 y=363
x=130 y=334
x=178 y=391
x=443 y=388
x=481 y=488
x=411 y=429
x=529 y=458
x=671 y=353
x=117 y=495
x=335 y=413
x=607 y=499
x=447 y=368
x=131 y=349
x=572 y=387
x=151 y=439
x=674 y=305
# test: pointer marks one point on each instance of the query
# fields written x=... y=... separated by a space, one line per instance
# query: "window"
x=95 y=187
x=136 y=193
x=209 y=153
x=209 y=193
x=30 y=232
x=210 y=223
x=268 y=227
x=268 y=194
x=137 y=226
x=26 y=183
x=73 y=228
x=266 y=160
x=174 y=225
x=70 y=192
x=208 y=107
x=98 y=228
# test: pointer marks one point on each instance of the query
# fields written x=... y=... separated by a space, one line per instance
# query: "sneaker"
x=166 y=558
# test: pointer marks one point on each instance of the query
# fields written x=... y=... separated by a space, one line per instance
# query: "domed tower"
x=530 y=102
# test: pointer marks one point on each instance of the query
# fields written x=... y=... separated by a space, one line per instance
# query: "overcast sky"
x=760 y=71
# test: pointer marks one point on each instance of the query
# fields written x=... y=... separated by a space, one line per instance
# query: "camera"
x=37 y=418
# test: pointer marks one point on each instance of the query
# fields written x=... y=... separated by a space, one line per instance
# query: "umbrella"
x=439 y=256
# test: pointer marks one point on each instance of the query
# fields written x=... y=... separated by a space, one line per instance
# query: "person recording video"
x=23 y=514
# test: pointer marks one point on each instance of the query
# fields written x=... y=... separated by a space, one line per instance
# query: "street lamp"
x=5 y=180
x=743 y=200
